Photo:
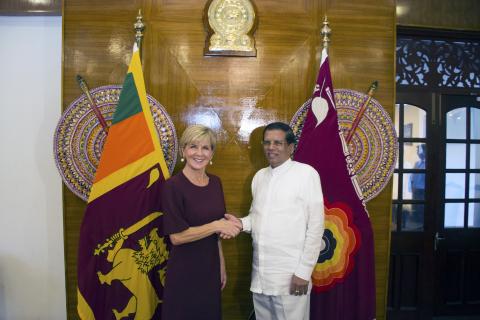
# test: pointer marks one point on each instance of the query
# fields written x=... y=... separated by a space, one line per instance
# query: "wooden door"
x=457 y=235
x=436 y=207
x=235 y=96
x=413 y=219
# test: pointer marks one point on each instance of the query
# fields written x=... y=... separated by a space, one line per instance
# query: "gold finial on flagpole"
x=326 y=31
x=139 y=27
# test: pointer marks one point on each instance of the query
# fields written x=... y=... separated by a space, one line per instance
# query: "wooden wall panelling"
x=235 y=96
x=443 y=14
x=73 y=209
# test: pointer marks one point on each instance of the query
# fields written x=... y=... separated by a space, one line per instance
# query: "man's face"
x=276 y=149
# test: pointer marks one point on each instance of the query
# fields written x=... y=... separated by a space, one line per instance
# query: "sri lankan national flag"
x=122 y=255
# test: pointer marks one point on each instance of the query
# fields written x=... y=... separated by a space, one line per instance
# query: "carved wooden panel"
x=438 y=63
x=235 y=96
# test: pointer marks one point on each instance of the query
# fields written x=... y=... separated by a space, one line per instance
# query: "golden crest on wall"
x=231 y=25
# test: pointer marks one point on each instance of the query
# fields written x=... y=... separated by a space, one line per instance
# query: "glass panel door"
x=457 y=239
x=462 y=165
x=409 y=177
x=412 y=219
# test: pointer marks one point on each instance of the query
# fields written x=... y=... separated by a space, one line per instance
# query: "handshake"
x=228 y=227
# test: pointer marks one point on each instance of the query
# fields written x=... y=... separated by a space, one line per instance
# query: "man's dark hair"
x=289 y=135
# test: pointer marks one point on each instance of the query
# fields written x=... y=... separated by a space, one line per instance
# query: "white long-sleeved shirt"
x=286 y=221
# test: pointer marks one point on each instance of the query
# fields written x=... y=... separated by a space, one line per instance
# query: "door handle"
x=438 y=238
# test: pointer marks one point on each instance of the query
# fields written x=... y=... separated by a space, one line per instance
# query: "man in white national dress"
x=286 y=221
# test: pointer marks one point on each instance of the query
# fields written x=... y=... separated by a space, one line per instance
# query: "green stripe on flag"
x=129 y=102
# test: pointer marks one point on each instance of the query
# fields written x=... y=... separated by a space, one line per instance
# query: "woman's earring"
x=211 y=162
x=182 y=159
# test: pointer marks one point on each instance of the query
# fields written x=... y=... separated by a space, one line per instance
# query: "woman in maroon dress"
x=194 y=208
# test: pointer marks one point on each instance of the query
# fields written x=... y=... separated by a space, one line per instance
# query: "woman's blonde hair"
x=197 y=132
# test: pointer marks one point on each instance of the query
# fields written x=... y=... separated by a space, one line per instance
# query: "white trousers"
x=287 y=307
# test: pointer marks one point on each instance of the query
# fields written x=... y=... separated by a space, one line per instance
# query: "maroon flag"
x=122 y=255
x=343 y=278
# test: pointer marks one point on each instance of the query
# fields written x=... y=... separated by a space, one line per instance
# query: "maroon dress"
x=192 y=285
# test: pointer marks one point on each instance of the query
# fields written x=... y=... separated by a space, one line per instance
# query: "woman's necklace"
x=200 y=181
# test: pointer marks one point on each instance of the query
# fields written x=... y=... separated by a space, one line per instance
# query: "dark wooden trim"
x=437 y=33
x=27 y=8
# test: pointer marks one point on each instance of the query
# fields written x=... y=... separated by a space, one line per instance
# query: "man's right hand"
x=227 y=229
x=236 y=222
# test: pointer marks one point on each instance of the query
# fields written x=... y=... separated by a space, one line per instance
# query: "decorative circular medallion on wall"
x=374 y=145
x=79 y=137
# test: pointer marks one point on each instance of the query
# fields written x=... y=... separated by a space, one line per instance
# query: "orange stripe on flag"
x=129 y=140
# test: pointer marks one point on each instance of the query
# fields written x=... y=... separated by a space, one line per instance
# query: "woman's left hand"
x=223 y=275
x=223 y=270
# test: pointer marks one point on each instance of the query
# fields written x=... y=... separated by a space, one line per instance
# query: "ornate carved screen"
x=438 y=63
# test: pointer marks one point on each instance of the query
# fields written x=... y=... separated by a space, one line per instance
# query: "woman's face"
x=198 y=154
